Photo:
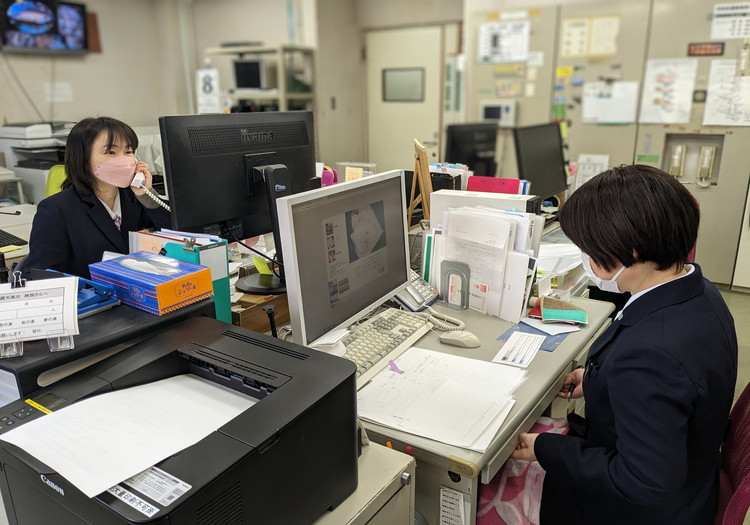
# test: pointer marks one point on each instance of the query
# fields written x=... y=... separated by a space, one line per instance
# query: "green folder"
x=216 y=257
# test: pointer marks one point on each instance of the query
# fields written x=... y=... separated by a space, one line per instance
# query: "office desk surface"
x=544 y=379
x=18 y=225
x=100 y=332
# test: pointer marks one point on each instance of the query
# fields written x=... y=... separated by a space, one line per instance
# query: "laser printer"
x=287 y=459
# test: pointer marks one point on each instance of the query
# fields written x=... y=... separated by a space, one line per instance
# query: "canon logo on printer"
x=52 y=484
x=256 y=137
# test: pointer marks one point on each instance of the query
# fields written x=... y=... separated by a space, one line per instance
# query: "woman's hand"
x=525 y=448
x=572 y=380
x=142 y=167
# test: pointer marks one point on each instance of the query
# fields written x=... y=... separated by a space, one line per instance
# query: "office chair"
x=55 y=178
x=734 y=491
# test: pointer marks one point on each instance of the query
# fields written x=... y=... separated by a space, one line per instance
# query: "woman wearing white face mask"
x=659 y=382
x=97 y=207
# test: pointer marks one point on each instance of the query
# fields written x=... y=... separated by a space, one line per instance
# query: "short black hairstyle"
x=79 y=144
x=632 y=214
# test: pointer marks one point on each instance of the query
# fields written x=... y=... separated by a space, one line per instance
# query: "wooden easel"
x=421 y=176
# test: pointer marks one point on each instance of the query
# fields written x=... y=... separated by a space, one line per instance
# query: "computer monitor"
x=473 y=145
x=540 y=160
x=249 y=73
x=225 y=171
x=346 y=250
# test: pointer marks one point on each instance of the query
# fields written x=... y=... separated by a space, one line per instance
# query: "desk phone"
x=418 y=294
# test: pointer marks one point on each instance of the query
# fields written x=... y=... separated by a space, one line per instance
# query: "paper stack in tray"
x=498 y=247
x=454 y=400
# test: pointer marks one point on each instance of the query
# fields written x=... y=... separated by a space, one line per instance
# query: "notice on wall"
x=574 y=37
x=728 y=99
x=506 y=41
x=207 y=90
x=604 y=32
x=668 y=90
x=589 y=36
x=730 y=20
x=589 y=166
x=609 y=102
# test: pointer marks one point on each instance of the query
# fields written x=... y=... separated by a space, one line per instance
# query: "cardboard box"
x=248 y=312
x=154 y=283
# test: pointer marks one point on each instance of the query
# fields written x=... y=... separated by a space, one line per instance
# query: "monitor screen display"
x=44 y=26
x=346 y=252
x=473 y=145
x=540 y=160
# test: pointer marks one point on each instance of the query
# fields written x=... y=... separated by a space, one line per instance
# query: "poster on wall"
x=730 y=20
x=506 y=41
x=728 y=99
x=668 y=91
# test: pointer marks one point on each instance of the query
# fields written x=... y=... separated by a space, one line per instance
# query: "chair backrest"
x=55 y=178
x=735 y=455
x=735 y=464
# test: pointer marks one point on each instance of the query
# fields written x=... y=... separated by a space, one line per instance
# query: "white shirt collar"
x=690 y=269
x=115 y=213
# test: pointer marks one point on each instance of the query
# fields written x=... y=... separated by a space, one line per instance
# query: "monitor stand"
x=261 y=284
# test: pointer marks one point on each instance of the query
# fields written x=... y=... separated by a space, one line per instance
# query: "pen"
x=570 y=389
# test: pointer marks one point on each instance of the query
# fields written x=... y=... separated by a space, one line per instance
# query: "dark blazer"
x=71 y=231
x=659 y=384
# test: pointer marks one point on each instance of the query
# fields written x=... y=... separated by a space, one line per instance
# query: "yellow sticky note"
x=261 y=265
x=353 y=173
x=9 y=248
x=564 y=71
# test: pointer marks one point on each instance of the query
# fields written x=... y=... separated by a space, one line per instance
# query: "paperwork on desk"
x=454 y=400
x=497 y=245
x=101 y=441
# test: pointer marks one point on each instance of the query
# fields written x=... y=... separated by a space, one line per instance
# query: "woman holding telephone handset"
x=97 y=207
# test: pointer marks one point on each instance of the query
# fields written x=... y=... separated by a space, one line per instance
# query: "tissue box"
x=154 y=283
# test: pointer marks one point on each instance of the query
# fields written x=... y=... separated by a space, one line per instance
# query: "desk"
x=101 y=335
x=441 y=465
x=385 y=492
x=18 y=225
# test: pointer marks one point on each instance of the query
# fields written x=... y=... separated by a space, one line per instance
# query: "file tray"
x=154 y=283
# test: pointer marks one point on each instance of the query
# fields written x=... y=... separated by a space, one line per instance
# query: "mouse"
x=460 y=338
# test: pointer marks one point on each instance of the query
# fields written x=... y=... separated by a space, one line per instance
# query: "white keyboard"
x=383 y=337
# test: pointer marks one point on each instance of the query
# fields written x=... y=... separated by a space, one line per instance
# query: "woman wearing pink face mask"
x=97 y=207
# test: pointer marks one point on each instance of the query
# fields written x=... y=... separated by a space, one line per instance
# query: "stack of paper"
x=497 y=246
x=451 y=399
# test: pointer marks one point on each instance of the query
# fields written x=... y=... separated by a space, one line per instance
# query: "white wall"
x=127 y=80
x=398 y=13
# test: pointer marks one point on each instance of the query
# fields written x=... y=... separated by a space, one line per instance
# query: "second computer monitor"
x=540 y=159
x=346 y=252
x=474 y=145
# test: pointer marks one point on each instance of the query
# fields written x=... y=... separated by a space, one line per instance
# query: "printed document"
x=455 y=400
x=103 y=440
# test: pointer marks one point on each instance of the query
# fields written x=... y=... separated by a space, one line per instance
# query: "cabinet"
x=289 y=73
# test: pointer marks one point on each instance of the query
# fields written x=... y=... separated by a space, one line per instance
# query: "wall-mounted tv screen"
x=43 y=26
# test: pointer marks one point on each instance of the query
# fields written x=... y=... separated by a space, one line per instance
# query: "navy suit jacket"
x=658 y=385
x=70 y=231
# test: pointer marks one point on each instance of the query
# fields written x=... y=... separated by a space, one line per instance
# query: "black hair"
x=79 y=145
x=632 y=214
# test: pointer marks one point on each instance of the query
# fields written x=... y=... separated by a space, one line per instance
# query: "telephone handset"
x=418 y=294
x=138 y=181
